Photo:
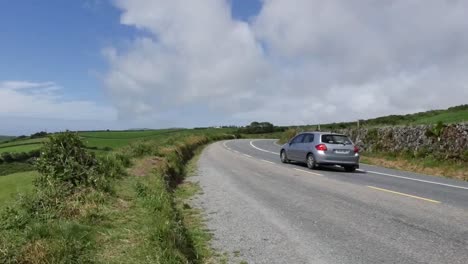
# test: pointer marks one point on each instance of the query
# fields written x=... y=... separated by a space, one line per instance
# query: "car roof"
x=320 y=133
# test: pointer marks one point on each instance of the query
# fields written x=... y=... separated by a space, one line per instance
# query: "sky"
x=119 y=64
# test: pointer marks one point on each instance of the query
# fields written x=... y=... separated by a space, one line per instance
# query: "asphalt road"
x=263 y=211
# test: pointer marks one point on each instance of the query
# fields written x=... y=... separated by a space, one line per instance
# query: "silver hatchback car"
x=321 y=148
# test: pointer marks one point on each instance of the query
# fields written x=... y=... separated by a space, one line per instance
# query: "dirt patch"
x=143 y=167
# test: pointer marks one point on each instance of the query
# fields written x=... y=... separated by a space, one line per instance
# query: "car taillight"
x=356 y=149
x=322 y=147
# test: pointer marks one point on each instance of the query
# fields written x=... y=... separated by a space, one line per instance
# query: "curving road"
x=263 y=211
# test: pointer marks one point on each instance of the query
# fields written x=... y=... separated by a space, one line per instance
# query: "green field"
x=451 y=115
x=99 y=139
x=15 y=183
x=125 y=135
x=445 y=117
x=20 y=148
x=109 y=139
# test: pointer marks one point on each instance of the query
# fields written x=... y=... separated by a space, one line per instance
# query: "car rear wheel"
x=311 y=164
x=283 y=156
x=350 y=168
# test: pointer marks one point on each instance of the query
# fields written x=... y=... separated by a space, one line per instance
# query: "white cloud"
x=304 y=61
x=44 y=100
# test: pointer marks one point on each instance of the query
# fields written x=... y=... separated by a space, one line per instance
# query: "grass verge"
x=86 y=209
x=427 y=165
x=152 y=220
x=192 y=217
x=13 y=184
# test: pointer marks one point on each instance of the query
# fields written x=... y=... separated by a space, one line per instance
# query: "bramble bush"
x=53 y=223
x=65 y=161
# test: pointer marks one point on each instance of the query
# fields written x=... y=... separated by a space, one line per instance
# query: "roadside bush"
x=112 y=166
x=372 y=135
x=140 y=149
x=55 y=223
x=436 y=131
x=6 y=157
x=288 y=134
x=14 y=167
x=257 y=128
x=64 y=160
x=465 y=155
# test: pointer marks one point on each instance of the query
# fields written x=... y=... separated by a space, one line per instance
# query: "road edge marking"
x=264 y=150
x=413 y=179
x=247 y=155
x=404 y=194
x=267 y=161
x=224 y=144
x=313 y=173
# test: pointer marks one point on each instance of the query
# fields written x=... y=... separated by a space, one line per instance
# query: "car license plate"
x=341 y=151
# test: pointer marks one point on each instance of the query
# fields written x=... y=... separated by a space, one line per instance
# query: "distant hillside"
x=5 y=138
x=455 y=114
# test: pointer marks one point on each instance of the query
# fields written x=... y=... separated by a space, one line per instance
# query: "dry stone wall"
x=444 y=142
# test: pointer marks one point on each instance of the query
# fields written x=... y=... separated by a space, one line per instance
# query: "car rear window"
x=335 y=139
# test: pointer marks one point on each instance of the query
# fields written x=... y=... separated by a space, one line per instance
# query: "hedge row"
x=8 y=157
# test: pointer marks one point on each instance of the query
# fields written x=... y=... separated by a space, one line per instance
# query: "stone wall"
x=444 y=142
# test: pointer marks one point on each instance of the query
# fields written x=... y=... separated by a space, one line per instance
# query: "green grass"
x=425 y=165
x=128 y=134
x=14 y=167
x=25 y=145
x=451 y=115
x=192 y=217
x=22 y=142
x=21 y=148
x=445 y=117
x=135 y=221
x=12 y=184
x=111 y=139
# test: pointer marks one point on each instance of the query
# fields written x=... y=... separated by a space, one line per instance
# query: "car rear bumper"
x=348 y=161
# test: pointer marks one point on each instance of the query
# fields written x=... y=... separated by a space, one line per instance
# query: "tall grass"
x=55 y=223
x=84 y=209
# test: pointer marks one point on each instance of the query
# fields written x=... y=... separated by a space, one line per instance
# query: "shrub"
x=372 y=134
x=6 y=157
x=257 y=128
x=288 y=134
x=436 y=131
x=39 y=134
x=65 y=161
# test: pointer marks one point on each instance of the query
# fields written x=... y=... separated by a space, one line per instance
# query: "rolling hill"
x=455 y=114
x=5 y=138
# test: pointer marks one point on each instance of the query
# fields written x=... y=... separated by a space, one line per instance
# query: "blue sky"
x=98 y=64
x=62 y=41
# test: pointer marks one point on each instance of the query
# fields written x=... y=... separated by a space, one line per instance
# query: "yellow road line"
x=404 y=194
x=308 y=172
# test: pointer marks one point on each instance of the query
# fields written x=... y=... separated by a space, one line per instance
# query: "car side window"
x=308 y=138
x=297 y=139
